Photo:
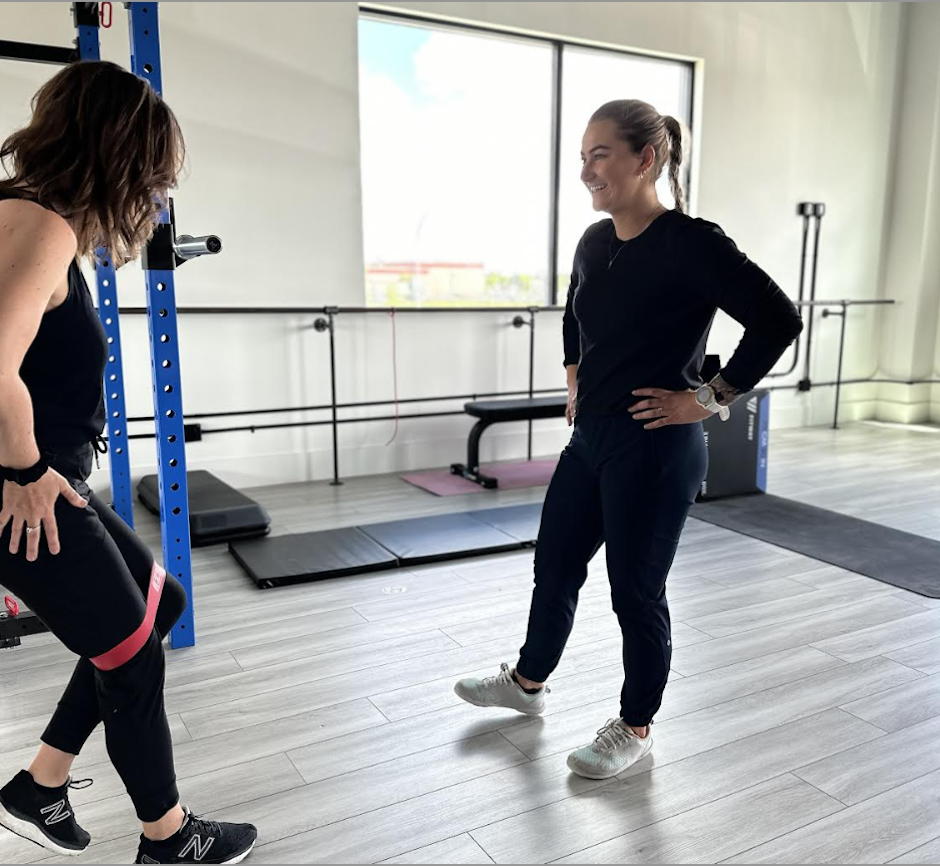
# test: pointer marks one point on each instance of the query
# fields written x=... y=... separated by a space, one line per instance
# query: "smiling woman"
x=645 y=287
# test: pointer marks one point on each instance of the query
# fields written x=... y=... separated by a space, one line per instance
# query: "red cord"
x=101 y=11
x=394 y=376
x=11 y=605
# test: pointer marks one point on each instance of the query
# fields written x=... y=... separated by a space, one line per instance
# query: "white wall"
x=910 y=348
x=794 y=104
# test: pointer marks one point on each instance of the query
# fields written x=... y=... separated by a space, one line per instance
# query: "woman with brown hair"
x=91 y=169
x=645 y=287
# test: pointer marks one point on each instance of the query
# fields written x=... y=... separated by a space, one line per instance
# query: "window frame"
x=558 y=45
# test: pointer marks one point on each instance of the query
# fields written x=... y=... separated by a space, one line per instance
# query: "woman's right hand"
x=33 y=505
x=571 y=408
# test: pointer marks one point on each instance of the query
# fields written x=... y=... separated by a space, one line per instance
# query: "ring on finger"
x=33 y=528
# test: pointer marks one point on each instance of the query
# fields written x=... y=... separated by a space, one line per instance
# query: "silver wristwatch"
x=707 y=399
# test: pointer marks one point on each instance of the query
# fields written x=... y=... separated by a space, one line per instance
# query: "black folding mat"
x=286 y=559
x=899 y=558
x=519 y=521
x=217 y=511
x=445 y=536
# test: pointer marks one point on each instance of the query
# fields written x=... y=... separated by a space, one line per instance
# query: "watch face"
x=704 y=395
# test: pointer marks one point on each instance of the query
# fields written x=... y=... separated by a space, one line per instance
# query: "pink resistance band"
x=130 y=646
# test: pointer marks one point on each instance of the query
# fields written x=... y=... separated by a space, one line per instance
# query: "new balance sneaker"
x=200 y=841
x=42 y=815
x=617 y=747
x=501 y=691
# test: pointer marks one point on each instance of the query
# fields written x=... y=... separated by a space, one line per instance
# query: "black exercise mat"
x=447 y=536
x=520 y=521
x=286 y=559
x=899 y=558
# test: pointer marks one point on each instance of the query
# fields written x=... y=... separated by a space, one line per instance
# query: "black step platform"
x=520 y=521
x=287 y=559
x=445 y=536
x=217 y=511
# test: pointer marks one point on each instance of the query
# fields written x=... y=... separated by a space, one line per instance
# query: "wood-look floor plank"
x=929 y=853
x=902 y=707
x=753 y=643
x=875 y=831
x=924 y=657
x=361 y=791
x=460 y=849
x=432 y=817
x=863 y=773
x=767 y=614
x=231 y=749
x=294 y=674
x=881 y=639
x=715 y=831
x=289 y=698
x=661 y=792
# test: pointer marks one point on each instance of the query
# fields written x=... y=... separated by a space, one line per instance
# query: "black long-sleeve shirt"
x=642 y=320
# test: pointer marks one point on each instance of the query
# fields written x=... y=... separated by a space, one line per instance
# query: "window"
x=456 y=152
x=456 y=148
x=589 y=79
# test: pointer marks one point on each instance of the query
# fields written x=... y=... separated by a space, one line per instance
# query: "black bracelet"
x=22 y=477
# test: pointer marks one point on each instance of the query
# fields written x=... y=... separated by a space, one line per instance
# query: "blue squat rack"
x=163 y=254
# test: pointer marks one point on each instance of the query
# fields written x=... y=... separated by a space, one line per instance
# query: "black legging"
x=93 y=598
x=632 y=489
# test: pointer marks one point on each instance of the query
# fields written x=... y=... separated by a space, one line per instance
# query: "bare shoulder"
x=30 y=231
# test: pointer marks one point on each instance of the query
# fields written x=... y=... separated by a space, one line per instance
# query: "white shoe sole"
x=596 y=775
x=241 y=857
x=535 y=711
x=29 y=831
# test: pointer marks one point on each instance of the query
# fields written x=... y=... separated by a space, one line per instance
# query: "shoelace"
x=212 y=827
x=613 y=734
x=81 y=784
x=505 y=678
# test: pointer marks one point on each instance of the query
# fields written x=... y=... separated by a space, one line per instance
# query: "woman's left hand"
x=667 y=407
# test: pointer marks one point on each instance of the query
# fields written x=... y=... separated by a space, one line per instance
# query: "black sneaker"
x=200 y=841
x=42 y=815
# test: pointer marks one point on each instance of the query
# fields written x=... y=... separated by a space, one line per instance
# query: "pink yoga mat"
x=511 y=476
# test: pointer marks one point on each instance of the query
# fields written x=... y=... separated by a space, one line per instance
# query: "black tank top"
x=64 y=369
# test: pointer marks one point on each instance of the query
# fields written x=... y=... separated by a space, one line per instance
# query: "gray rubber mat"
x=899 y=558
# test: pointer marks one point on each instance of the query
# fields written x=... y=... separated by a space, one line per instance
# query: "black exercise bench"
x=497 y=412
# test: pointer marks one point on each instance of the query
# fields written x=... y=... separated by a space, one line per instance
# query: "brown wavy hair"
x=639 y=125
x=101 y=149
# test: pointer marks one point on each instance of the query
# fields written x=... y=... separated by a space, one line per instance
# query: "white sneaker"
x=617 y=747
x=501 y=691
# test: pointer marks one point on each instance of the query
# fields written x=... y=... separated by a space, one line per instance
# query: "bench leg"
x=471 y=470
